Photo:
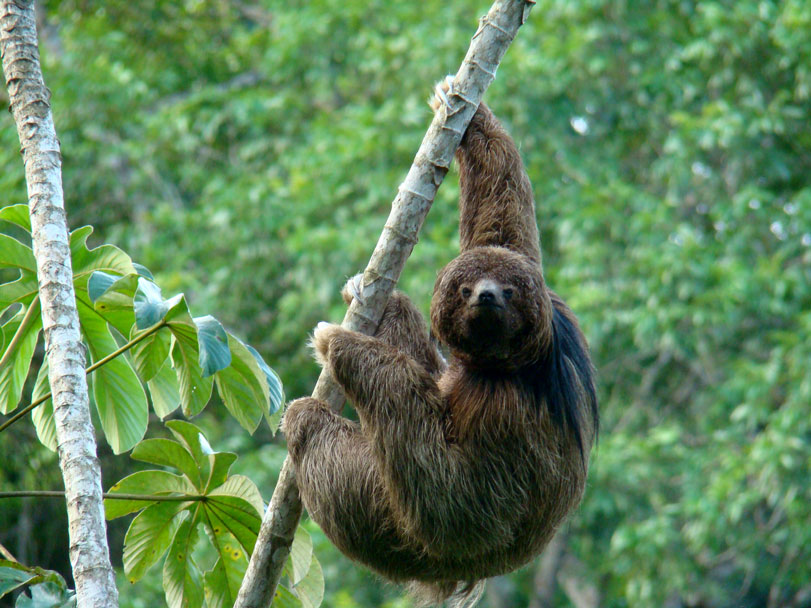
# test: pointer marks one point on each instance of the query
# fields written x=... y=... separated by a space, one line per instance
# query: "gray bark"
x=496 y=31
x=30 y=105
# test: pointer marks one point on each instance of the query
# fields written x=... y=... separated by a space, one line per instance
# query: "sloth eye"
x=466 y=292
x=508 y=293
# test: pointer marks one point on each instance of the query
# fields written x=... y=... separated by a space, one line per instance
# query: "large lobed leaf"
x=229 y=508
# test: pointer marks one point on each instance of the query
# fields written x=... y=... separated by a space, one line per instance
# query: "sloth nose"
x=487 y=297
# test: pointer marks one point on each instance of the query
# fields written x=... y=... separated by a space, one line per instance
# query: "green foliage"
x=228 y=507
x=248 y=154
x=203 y=495
x=48 y=588
x=115 y=300
x=304 y=574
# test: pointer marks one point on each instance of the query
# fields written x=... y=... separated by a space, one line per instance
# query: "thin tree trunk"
x=30 y=105
x=546 y=574
x=576 y=582
x=496 y=31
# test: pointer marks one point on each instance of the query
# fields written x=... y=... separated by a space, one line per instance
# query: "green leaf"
x=195 y=388
x=191 y=437
x=213 y=343
x=242 y=487
x=272 y=379
x=17 y=215
x=13 y=578
x=98 y=284
x=216 y=588
x=150 y=307
x=13 y=254
x=151 y=353
x=243 y=387
x=146 y=483
x=224 y=579
x=218 y=591
x=107 y=258
x=48 y=586
x=238 y=517
x=47 y=595
x=43 y=414
x=111 y=296
x=14 y=371
x=164 y=391
x=21 y=290
x=143 y=271
x=119 y=396
x=311 y=588
x=275 y=421
x=182 y=579
x=168 y=453
x=284 y=598
x=220 y=465
x=148 y=537
x=301 y=556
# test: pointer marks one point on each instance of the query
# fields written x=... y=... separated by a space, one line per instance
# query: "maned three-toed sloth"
x=464 y=470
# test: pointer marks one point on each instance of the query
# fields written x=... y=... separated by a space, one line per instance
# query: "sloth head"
x=491 y=308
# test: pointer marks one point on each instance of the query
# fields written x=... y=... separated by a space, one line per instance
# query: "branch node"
x=376 y=276
x=485 y=21
x=359 y=312
x=490 y=71
x=439 y=164
x=406 y=237
x=424 y=197
x=466 y=99
x=457 y=131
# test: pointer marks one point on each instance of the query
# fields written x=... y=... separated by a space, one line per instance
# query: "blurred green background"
x=247 y=152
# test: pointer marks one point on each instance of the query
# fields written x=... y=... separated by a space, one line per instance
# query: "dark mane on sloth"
x=565 y=378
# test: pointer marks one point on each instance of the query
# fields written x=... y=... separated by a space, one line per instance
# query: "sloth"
x=459 y=470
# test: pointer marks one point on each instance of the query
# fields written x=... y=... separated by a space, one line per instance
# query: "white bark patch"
x=30 y=105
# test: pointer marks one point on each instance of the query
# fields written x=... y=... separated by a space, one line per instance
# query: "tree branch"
x=30 y=105
x=494 y=35
x=107 y=495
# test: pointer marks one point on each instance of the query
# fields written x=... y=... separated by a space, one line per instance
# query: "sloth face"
x=489 y=307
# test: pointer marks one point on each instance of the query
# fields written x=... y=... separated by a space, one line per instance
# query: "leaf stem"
x=159 y=325
x=7 y=554
x=108 y=495
x=29 y=315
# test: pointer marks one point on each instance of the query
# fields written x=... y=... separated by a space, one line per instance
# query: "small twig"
x=107 y=495
x=7 y=554
x=159 y=325
x=18 y=335
x=89 y=370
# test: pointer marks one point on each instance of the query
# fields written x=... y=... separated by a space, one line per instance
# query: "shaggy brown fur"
x=462 y=471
